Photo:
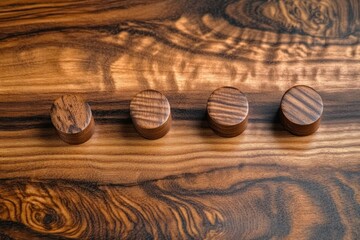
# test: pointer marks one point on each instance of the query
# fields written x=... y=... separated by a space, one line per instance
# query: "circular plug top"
x=301 y=110
x=72 y=119
x=228 y=111
x=151 y=114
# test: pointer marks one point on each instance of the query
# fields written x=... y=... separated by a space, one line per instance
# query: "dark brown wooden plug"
x=228 y=111
x=301 y=110
x=72 y=118
x=151 y=114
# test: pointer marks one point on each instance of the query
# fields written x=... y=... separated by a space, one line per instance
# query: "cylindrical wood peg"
x=72 y=119
x=301 y=110
x=151 y=114
x=228 y=111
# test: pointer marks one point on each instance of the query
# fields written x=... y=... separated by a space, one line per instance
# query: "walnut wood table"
x=191 y=184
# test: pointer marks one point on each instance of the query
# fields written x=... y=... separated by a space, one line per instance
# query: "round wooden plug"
x=72 y=119
x=151 y=114
x=301 y=110
x=228 y=111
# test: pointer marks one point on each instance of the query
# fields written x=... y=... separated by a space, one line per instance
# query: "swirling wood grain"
x=243 y=202
x=329 y=18
x=184 y=51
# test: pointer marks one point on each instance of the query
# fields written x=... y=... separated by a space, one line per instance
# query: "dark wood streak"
x=223 y=203
x=113 y=108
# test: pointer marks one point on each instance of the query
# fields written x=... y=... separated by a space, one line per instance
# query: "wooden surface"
x=190 y=184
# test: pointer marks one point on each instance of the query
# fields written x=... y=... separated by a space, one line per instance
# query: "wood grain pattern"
x=190 y=184
x=72 y=119
x=228 y=111
x=301 y=109
x=240 y=202
x=150 y=112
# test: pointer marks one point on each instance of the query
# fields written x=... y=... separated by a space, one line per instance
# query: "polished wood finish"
x=72 y=119
x=151 y=114
x=239 y=202
x=228 y=111
x=301 y=110
x=190 y=184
